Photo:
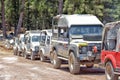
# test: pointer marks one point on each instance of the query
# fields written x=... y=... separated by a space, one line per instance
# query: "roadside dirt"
x=17 y=68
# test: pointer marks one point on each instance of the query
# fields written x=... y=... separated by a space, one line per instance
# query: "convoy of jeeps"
x=77 y=40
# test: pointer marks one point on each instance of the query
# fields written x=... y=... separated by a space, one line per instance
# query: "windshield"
x=85 y=29
x=35 y=38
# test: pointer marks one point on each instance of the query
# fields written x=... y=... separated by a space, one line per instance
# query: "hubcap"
x=71 y=62
x=41 y=58
x=54 y=62
x=108 y=71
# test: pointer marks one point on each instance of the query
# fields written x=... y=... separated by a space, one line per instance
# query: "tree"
x=20 y=18
x=60 y=10
x=3 y=18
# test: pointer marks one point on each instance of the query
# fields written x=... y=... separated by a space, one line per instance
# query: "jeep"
x=110 y=54
x=31 y=47
x=78 y=41
x=45 y=44
x=15 y=46
x=18 y=44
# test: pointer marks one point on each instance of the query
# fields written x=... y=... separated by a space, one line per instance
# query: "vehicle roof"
x=21 y=35
x=48 y=31
x=78 y=19
x=111 y=24
x=33 y=32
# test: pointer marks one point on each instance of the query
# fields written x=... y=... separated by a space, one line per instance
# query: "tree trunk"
x=3 y=18
x=15 y=4
x=60 y=10
x=20 y=18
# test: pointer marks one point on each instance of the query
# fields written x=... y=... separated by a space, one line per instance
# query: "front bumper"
x=35 y=52
x=87 y=57
x=117 y=71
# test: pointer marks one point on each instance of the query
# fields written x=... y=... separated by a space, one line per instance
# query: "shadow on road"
x=86 y=71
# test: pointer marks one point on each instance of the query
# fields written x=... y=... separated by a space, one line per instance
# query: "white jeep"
x=45 y=44
x=31 y=47
x=18 y=44
x=78 y=41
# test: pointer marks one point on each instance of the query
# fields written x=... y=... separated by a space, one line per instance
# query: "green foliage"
x=40 y=12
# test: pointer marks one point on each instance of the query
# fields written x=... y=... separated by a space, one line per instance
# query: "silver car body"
x=45 y=42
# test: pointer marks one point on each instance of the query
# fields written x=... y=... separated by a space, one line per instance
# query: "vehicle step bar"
x=63 y=58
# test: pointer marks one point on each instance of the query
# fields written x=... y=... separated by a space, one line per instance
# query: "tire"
x=42 y=58
x=15 y=52
x=109 y=72
x=26 y=55
x=51 y=57
x=18 y=53
x=89 y=65
x=32 y=56
x=56 y=61
x=23 y=53
x=74 y=65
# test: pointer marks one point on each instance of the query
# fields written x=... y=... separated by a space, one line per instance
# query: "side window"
x=26 y=38
x=43 y=37
x=118 y=41
x=63 y=32
x=29 y=40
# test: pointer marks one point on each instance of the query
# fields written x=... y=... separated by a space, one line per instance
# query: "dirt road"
x=17 y=68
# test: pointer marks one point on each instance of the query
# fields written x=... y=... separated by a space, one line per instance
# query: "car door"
x=117 y=57
x=28 y=43
x=65 y=47
x=47 y=46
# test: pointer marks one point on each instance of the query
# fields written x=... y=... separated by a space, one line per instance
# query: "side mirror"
x=29 y=41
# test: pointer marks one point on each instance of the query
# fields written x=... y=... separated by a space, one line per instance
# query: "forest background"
x=38 y=14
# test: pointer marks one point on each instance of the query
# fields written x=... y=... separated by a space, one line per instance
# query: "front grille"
x=84 y=50
x=36 y=48
x=91 y=45
x=92 y=37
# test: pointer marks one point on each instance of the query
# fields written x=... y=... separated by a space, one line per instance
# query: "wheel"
x=56 y=61
x=109 y=71
x=18 y=53
x=42 y=58
x=32 y=56
x=74 y=65
x=26 y=55
x=89 y=65
x=23 y=53
x=15 y=52
x=51 y=57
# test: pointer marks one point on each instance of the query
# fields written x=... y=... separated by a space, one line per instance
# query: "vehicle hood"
x=81 y=42
x=33 y=44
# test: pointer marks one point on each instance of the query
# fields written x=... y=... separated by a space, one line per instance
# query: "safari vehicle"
x=21 y=44
x=110 y=54
x=45 y=44
x=78 y=41
x=31 y=47
x=18 y=44
x=15 y=46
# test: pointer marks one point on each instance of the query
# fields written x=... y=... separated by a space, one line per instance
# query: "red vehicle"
x=110 y=54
